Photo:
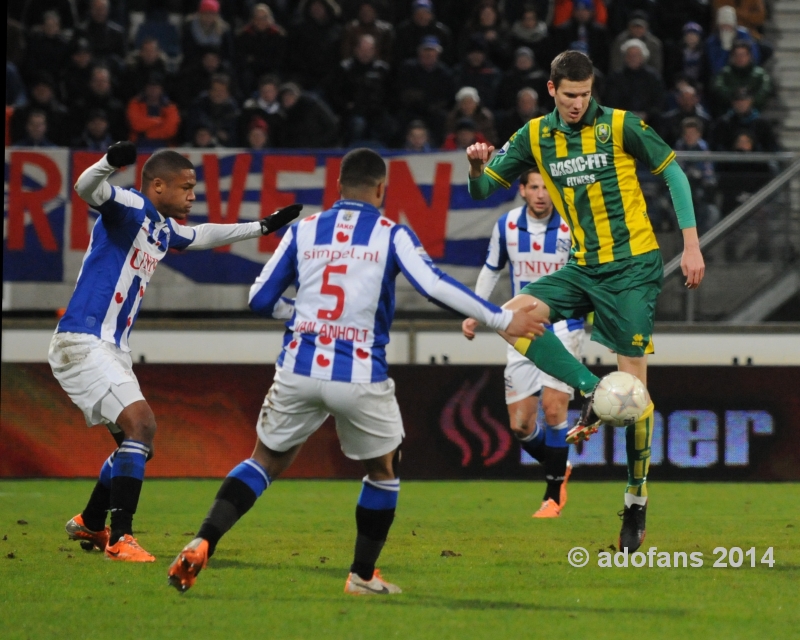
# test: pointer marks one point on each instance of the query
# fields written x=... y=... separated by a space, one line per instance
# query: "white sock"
x=533 y=434
x=631 y=500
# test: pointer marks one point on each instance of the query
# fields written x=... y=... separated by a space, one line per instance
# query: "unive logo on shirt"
x=603 y=132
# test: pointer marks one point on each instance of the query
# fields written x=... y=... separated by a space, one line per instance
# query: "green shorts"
x=622 y=295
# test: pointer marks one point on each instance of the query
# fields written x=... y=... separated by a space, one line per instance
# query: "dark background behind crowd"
x=414 y=74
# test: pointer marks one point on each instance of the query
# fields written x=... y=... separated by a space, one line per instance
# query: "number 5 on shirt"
x=329 y=289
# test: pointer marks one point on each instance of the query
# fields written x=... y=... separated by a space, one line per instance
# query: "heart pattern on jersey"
x=512 y=225
x=342 y=236
x=536 y=246
x=118 y=298
x=322 y=361
x=141 y=292
x=293 y=344
x=325 y=340
x=310 y=218
x=129 y=322
x=362 y=354
x=564 y=227
x=385 y=223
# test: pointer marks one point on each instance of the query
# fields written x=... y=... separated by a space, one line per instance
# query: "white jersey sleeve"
x=208 y=236
x=497 y=255
x=487 y=281
x=438 y=286
x=92 y=185
x=276 y=276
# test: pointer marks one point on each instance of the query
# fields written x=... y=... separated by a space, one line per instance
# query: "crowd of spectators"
x=414 y=74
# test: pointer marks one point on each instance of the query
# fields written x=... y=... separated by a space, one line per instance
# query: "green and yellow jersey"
x=589 y=170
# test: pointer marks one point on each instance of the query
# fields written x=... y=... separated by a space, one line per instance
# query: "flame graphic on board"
x=460 y=418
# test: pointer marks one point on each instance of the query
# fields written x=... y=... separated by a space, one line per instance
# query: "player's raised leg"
x=638 y=441
x=374 y=516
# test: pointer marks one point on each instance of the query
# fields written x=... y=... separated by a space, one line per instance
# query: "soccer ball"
x=619 y=399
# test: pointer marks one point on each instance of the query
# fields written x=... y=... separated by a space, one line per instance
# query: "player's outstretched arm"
x=209 y=235
x=92 y=185
x=487 y=280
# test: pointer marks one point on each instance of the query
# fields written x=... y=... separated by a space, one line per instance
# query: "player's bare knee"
x=381 y=468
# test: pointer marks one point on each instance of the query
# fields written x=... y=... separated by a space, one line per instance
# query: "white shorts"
x=524 y=379
x=97 y=375
x=367 y=415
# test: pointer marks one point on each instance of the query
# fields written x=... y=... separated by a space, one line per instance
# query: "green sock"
x=549 y=354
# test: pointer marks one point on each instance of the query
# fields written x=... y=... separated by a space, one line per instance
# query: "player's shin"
x=127 y=474
x=556 y=452
x=94 y=515
x=533 y=444
x=551 y=356
x=638 y=438
x=374 y=516
x=238 y=493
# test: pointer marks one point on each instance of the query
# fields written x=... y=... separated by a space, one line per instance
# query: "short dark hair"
x=523 y=177
x=571 y=65
x=164 y=164
x=362 y=168
x=692 y=123
x=741 y=43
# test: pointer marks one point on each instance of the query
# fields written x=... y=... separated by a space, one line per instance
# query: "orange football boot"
x=562 y=497
x=184 y=569
x=127 y=549
x=549 y=509
x=77 y=530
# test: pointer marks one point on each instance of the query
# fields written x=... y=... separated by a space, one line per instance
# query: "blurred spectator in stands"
x=48 y=48
x=720 y=43
x=487 y=25
x=701 y=174
x=308 y=122
x=741 y=73
x=206 y=31
x=141 y=65
x=107 y=38
x=152 y=117
x=526 y=109
x=564 y=10
x=468 y=105
x=687 y=59
x=359 y=92
x=43 y=99
x=738 y=181
x=422 y=23
x=465 y=134
x=157 y=25
x=96 y=135
x=367 y=23
x=671 y=122
x=637 y=88
x=669 y=18
x=100 y=97
x=36 y=129
x=425 y=88
x=15 y=88
x=743 y=117
x=638 y=27
x=417 y=137
x=313 y=52
x=263 y=104
x=260 y=47
x=582 y=33
x=524 y=73
x=76 y=75
x=34 y=12
x=202 y=136
x=258 y=134
x=531 y=32
x=217 y=108
x=476 y=70
x=750 y=14
x=196 y=78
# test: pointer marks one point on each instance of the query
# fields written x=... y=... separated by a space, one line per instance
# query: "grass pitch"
x=280 y=572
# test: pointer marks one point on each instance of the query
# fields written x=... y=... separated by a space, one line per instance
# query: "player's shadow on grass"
x=476 y=604
x=232 y=563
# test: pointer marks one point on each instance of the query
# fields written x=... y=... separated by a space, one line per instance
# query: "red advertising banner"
x=712 y=423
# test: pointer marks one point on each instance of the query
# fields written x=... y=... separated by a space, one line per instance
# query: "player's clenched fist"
x=121 y=154
x=478 y=155
x=280 y=218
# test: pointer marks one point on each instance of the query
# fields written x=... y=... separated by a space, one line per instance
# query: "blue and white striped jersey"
x=344 y=262
x=531 y=248
x=128 y=241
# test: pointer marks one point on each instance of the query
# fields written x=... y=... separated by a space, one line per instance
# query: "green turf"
x=281 y=571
